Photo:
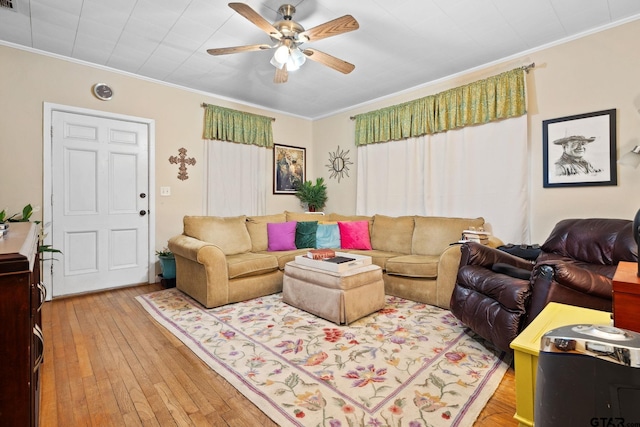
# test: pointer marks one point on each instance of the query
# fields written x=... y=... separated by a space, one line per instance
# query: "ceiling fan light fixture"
x=291 y=65
x=297 y=57
x=277 y=64
x=281 y=54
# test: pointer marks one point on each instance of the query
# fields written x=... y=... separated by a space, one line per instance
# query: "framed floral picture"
x=289 y=168
x=580 y=150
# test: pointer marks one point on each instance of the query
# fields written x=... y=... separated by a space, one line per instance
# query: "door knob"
x=143 y=212
x=143 y=195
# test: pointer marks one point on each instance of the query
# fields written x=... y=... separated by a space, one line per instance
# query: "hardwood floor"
x=107 y=363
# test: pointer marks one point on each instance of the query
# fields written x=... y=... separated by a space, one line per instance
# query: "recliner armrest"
x=579 y=279
x=482 y=255
x=567 y=283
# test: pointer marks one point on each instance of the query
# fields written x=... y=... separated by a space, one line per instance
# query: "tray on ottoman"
x=358 y=261
x=341 y=297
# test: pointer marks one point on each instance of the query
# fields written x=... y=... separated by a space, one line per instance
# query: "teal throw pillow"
x=328 y=236
x=306 y=234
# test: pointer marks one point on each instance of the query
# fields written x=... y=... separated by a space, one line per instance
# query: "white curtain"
x=470 y=172
x=236 y=178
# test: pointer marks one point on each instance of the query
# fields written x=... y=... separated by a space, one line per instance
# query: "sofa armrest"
x=207 y=254
x=494 y=242
x=447 y=273
x=187 y=247
x=201 y=270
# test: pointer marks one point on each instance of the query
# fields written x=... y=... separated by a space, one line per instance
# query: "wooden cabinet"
x=21 y=341
x=626 y=296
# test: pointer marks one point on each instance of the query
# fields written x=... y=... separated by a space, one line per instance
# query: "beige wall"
x=32 y=79
x=597 y=72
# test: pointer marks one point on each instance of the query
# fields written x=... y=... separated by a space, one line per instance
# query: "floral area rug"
x=409 y=364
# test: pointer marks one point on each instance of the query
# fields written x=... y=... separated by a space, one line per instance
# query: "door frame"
x=47 y=179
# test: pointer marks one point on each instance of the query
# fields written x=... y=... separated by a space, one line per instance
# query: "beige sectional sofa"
x=225 y=260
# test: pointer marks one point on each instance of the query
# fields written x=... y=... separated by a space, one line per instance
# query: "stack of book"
x=476 y=236
x=321 y=253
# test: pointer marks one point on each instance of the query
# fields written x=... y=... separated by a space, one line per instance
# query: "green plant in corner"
x=165 y=252
x=167 y=263
x=314 y=195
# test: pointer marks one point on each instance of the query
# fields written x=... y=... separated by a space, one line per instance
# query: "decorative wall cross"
x=182 y=160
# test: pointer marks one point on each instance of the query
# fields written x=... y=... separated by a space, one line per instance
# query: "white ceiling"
x=400 y=44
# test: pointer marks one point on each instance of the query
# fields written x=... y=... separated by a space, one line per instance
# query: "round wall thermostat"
x=102 y=91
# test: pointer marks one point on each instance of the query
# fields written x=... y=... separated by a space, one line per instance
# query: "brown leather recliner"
x=492 y=303
x=497 y=294
x=578 y=261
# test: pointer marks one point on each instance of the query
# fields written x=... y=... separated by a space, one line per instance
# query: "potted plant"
x=27 y=211
x=3 y=224
x=314 y=195
x=167 y=263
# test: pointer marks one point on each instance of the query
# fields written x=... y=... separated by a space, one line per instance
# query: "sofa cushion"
x=433 y=234
x=306 y=234
x=425 y=266
x=282 y=236
x=257 y=228
x=284 y=257
x=392 y=233
x=335 y=217
x=304 y=216
x=250 y=264
x=228 y=233
x=354 y=235
x=378 y=258
x=328 y=236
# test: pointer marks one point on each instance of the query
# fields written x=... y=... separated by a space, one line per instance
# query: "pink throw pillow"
x=354 y=235
x=282 y=236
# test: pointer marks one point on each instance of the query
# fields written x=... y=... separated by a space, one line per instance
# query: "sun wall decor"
x=339 y=164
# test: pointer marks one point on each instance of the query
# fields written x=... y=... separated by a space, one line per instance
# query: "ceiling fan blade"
x=238 y=49
x=330 y=61
x=256 y=19
x=337 y=26
x=281 y=75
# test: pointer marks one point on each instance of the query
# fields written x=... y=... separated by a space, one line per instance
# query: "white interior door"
x=100 y=202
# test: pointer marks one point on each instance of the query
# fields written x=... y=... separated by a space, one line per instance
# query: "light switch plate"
x=165 y=191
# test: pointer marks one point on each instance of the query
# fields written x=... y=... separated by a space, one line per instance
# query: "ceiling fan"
x=289 y=36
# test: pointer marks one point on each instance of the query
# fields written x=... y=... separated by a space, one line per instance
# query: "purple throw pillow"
x=282 y=236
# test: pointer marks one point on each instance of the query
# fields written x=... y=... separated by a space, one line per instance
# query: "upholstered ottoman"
x=341 y=297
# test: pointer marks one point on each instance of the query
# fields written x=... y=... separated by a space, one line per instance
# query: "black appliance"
x=588 y=375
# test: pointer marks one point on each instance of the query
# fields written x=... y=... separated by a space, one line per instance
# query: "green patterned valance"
x=225 y=124
x=498 y=97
